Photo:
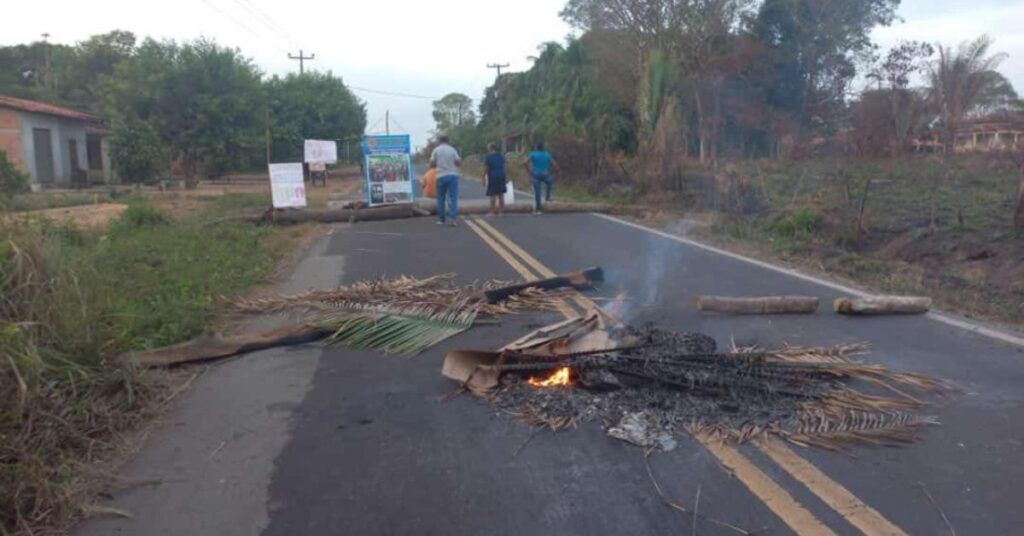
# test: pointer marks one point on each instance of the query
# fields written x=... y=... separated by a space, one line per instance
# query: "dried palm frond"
x=400 y=330
x=437 y=291
x=371 y=291
x=875 y=428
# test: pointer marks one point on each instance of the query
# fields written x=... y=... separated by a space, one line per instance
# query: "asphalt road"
x=332 y=441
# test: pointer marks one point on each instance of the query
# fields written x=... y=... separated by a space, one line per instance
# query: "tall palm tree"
x=960 y=79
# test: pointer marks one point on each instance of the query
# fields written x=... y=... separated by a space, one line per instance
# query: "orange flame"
x=559 y=379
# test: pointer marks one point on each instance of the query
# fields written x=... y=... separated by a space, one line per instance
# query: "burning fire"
x=559 y=379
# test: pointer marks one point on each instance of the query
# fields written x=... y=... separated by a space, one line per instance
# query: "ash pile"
x=648 y=385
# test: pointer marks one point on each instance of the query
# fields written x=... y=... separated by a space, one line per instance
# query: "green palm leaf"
x=405 y=330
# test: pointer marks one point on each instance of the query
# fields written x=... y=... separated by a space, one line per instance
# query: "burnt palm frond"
x=874 y=428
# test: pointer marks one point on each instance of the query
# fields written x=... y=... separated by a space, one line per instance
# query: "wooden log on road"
x=212 y=347
x=883 y=305
x=394 y=212
x=760 y=305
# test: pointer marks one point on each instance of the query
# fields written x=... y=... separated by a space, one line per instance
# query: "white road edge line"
x=972 y=327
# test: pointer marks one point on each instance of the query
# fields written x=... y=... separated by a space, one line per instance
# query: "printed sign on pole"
x=388 y=170
x=287 y=188
x=325 y=151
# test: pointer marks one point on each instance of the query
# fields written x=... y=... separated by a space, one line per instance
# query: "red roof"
x=43 y=108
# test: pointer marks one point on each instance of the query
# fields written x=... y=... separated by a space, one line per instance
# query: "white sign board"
x=286 y=185
x=325 y=151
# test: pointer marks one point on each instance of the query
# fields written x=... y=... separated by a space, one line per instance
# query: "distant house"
x=55 y=146
x=992 y=133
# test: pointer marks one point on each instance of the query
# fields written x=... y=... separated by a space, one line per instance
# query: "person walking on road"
x=446 y=160
x=540 y=164
x=494 y=179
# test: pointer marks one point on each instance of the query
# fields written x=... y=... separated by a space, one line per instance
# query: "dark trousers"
x=537 y=181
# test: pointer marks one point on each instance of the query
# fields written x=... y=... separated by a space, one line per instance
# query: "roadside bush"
x=12 y=180
x=71 y=302
x=140 y=215
x=800 y=223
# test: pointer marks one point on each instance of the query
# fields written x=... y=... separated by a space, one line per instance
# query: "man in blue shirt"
x=539 y=164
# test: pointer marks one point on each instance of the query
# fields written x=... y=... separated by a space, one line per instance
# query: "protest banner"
x=388 y=170
x=320 y=151
x=287 y=188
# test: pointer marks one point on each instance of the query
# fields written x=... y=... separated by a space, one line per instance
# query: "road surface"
x=313 y=440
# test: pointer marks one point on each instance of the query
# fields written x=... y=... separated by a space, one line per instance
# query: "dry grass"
x=71 y=300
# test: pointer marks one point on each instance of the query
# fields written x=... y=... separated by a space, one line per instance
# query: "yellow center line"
x=778 y=500
x=860 y=515
x=583 y=301
x=523 y=271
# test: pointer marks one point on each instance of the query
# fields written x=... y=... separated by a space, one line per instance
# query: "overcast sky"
x=424 y=47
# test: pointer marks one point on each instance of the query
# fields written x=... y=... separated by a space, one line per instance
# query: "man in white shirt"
x=446 y=160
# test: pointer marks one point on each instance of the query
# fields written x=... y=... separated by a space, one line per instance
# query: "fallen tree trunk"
x=882 y=305
x=211 y=347
x=333 y=215
x=758 y=305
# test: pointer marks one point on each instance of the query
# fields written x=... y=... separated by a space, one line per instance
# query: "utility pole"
x=48 y=77
x=267 y=134
x=501 y=106
x=302 y=60
x=387 y=122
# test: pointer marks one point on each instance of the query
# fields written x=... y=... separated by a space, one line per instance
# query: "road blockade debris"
x=761 y=305
x=360 y=213
x=402 y=315
x=647 y=384
x=579 y=280
x=883 y=305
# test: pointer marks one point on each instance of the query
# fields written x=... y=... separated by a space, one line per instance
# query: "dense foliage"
x=675 y=80
x=194 y=109
x=311 y=106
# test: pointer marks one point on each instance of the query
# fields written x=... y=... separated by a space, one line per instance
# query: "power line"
x=392 y=93
x=266 y=20
x=242 y=25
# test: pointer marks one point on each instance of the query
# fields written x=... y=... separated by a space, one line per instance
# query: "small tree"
x=453 y=111
x=136 y=150
x=12 y=179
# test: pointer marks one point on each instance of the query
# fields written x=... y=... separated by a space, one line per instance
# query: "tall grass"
x=70 y=303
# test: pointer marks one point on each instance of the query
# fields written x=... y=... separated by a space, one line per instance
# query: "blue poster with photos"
x=388 y=170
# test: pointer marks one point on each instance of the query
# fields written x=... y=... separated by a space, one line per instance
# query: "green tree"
x=453 y=111
x=960 y=79
x=204 y=101
x=72 y=76
x=12 y=180
x=137 y=151
x=311 y=106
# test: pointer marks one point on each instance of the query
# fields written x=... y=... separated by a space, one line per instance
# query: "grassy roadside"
x=71 y=301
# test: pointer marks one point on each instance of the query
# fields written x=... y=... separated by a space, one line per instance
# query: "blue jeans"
x=448 y=186
x=537 y=181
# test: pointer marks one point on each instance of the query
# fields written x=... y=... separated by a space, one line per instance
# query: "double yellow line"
x=769 y=492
